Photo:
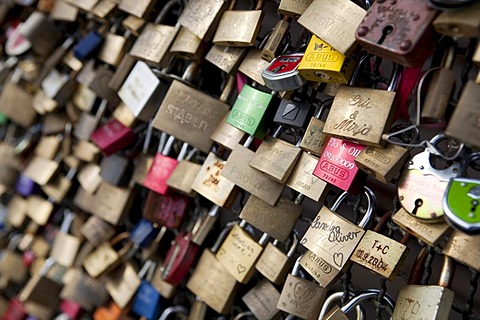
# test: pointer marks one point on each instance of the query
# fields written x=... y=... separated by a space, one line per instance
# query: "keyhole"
x=386 y=31
x=418 y=204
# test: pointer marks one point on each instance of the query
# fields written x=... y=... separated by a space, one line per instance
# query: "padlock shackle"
x=447 y=273
x=243 y=314
x=337 y=296
x=466 y=163
x=228 y=89
x=223 y=234
x=295 y=243
x=418 y=268
x=183 y=152
x=168 y=146
x=395 y=78
x=355 y=72
x=324 y=106
x=69 y=216
x=277 y=132
x=297 y=266
x=371 y=203
x=173 y=310
x=165 y=10
x=368 y=295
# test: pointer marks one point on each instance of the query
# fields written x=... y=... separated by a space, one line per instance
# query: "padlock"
x=87 y=5
x=239 y=252
x=12 y=267
x=293 y=8
x=90 y=44
x=430 y=233
x=314 y=140
x=96 y=231
x=180 y=310
x=146 y=302
x=103 y=8
x=99 y=84
x=48 y=146
x=262 y=300
x=122 y=284
x=421 y=186
x=225 y=58
x=460 y=201
x=340 y=313
x=83 y=98
x=401 y=32
x=253 y=64
x=276 y=39
x=57 y=87
x=187 y=45
x=210 y=281
x=39 y=209
x=300 y=297
x=241 y=174
x=17 y=210
x=85 y=291
x=112 y=137
x=110 y=312
x=65 y=246
x=459 y=247
x=274 y=264
x=138 y=9
x=155 y=39
x=184 y=174
x=411 y=299
x=41 y=170
x=141 y=91
x=41 y=32
x=133 y=24
x=113 y=169
x=87 y=123
x=63 y=11
x=277 y=221
x=379 y=253
x=282 y=73
x=334 y=22
x=13 y=97
x=193 y=125
x=353 y=110
x=166 y=289
x=15 y=310
x=462 y=22
x=167 y=209
x=337 y=164
x=322 y=63
x=114 y=46
x=202 y=17
x=25 y=186
x=180 y=258
x=204 y=224
x=89 y=177
x=105 y=258
x=331 y=240
x=338 y=296
x=251 y=112
x=239 y=28
x=143 y=234
x=41 y=289
x=440 y=90
x=463 y=125
x=121 y=72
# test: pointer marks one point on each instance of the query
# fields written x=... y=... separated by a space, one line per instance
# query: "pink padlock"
x=71 y=308
x=337 y=165
x=112 y=137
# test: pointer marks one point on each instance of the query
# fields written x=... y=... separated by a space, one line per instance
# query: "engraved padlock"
x=262 y=300
x=202 y=17
x=293 y=8
x=314 y=140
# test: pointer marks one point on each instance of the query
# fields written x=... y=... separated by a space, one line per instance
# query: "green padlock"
x=462 y=198
x=250 y=112
x=3 y=119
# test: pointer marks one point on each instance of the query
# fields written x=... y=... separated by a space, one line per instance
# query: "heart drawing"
x=241 y=268
x=338 y=258
x=302 y=293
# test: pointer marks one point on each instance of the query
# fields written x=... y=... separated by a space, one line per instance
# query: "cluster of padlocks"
x=201 y=159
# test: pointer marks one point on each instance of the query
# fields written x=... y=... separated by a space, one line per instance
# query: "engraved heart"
x=241 y=268
x=338 y=258
x=304 y=240
x=302 y=293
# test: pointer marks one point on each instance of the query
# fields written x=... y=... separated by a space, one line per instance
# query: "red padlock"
x=337 y=165
x=112 y=137
x=15 y=310
x=71 y=308
x=180 y=258
x=167 y=209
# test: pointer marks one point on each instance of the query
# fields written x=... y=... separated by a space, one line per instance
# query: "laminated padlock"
x=282 y=73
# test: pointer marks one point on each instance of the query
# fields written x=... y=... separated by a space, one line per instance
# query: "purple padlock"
x=25 y=186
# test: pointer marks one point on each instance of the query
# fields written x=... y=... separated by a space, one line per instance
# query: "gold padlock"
x=187 y=45
x=225 y=58
x=201 y=17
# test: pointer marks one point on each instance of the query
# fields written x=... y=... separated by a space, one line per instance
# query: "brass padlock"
x=84 y=290
x=122 y=72
x=225 y=58
x=65 y=246
x=278 y=220
x=293 y=8
x=184 y=175
x=105 y=258
x=211 y=282
x=262 y=300
x=63 y=11
x=96 y=231
x=17 y=211
x=201 y=17
x=113 y=47
x=12 y=267
x=227 y=135
x=137 y=8
x=253 y=64
x=239 y=172
x=122 y=284
x=353 y=115
x=239 y=28
x=462 y=22
x=41 y=170
x=459 y=247
x=87 y=123
x=39 y=209
x=187 y=45
x=103 y=8
x=276 y=39
x=334 y=22
x=153 y=43
x=274 y=264
x=86 y=5
x=133 y=24
x=89 y=177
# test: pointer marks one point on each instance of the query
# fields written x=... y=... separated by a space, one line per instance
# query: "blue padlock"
x=146 y=302
x=143 y=233
x=25 y=186
x=88 y=46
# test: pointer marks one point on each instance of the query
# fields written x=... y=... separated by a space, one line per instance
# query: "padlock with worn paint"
x=65 y=246
x=300 y=297
x=334 y=22
x=239 y=252
x=155 y=39
x=167 y=209
x=211 y=282
x=421 y=186
x=331 y=240
x=274 y=264
x=401 y=32
x=239 y=28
